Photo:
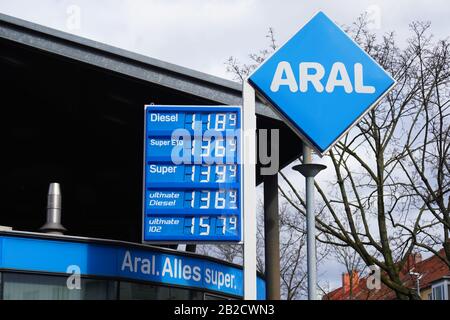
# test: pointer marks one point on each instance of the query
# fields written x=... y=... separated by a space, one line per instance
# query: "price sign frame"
x=171 y=186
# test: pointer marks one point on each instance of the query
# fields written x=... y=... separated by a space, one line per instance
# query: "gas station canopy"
x=73 y=111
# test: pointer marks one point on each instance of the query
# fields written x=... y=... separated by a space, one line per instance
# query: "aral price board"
x=192 y=178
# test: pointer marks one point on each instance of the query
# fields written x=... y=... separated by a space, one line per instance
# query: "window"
x=209 y=296
x=26 y=286
x=185 y=294
x=18 y=286
x=139 y=291
x=438 y=292
x=441 y=290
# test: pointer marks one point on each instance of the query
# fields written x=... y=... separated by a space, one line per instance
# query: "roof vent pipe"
x=53 y=224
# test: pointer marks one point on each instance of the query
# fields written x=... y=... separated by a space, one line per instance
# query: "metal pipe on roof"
x=53 y=224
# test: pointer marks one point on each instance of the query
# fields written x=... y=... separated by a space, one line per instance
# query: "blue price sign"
x=192 y=174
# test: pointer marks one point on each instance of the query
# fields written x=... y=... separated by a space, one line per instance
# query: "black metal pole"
x=271 y=237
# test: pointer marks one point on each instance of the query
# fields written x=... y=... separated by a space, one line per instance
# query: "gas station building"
x=74 y=112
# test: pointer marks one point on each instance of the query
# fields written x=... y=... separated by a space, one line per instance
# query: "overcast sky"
x=202 y=34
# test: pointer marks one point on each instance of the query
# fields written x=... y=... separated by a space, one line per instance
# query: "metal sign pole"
x=311 y=230
x=309 y=170
x=249 y=199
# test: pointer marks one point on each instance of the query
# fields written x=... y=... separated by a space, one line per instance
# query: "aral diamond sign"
x=321 y=82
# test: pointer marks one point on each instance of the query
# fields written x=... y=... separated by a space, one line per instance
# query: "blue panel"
x=196 y=197
x=222 y=279
x=160 y=267
x=164 y=175
x=161 y=147
x=208 y=228
x=319 y=114
x=260 y=289
x=56 y=256
x=164 y=121
x=27 y=254
x=160 y=172
x=158 y=199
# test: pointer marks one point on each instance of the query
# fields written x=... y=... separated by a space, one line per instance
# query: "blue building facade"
x=34 y=266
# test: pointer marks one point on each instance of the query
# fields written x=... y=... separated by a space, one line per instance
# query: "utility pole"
x=309 y=170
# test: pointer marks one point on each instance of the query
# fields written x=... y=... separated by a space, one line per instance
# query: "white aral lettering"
x=278 y=80
x=359 y=81
x=167 y=268
x=313 y=73
x=306 y=77
x=127 y=262
x=339 y=77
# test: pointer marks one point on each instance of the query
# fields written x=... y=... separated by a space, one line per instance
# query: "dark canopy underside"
x=81 y=125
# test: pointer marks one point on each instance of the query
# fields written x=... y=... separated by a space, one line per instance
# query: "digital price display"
x=192 y=177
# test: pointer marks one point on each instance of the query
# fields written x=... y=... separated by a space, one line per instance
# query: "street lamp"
x=309 y=171
x=418 y=277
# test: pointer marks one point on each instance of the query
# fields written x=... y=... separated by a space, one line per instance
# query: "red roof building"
x=432 y=275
